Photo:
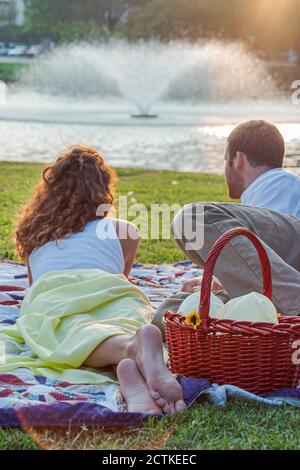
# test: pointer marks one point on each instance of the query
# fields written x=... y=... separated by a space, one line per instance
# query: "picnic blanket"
x=30 y=400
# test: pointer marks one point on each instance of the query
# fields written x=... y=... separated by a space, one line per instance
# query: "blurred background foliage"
x=271 y=25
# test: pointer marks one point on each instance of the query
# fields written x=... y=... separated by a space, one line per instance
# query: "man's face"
x=233 y=178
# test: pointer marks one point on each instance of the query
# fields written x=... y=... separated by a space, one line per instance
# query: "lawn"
x=9 y=72
x=238 y=426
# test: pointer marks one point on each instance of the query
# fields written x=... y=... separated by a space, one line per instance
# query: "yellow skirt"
x=65 y=315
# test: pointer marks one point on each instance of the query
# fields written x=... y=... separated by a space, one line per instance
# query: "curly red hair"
x=67 y=198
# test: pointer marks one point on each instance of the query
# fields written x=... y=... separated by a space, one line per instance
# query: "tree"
x=265 y=24
x=173 y=19
x=42 y=15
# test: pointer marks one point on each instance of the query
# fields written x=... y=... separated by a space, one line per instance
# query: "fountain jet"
x=147 y=73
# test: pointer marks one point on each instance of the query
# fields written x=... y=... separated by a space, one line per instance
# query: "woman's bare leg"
x=112 y=351
x=146 y=349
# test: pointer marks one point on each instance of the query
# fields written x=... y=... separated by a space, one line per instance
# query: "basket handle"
x=211 y=262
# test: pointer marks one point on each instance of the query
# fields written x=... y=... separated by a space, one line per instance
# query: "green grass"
x=10 y=72
x=240 y=425
x=148 y=187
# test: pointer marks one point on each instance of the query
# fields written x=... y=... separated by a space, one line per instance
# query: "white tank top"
x=96 y=247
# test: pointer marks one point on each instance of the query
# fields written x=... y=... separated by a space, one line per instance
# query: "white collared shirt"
x=277 y=189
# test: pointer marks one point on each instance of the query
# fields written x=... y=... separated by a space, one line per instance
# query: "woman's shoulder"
x=126 y=230
x=122 y=227
x=129 y=237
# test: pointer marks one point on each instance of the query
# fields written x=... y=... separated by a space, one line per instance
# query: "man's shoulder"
x=279 y=174
x=286 y=175
x=269 y=186
x=283 y=172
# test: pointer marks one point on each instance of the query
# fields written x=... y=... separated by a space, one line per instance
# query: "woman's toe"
x=155 y=395
x=161 y=402
x=166 y=409
x=171 y=406
x=180 y=406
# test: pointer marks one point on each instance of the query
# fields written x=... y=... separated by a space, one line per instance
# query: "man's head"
x=252 y=148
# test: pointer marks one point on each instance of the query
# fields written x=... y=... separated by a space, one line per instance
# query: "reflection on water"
x=85 y=93
x=183 y=138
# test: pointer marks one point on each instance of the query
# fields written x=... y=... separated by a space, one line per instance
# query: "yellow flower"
x=193 y=319
x=279 y=315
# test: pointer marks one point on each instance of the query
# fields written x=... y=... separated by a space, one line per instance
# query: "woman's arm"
x=29 y=272
x=129 y=237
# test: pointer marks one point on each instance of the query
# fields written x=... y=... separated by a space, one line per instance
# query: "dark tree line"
x=266 y=24
x=43 y=13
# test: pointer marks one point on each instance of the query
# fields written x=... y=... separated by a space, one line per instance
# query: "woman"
x=81 y=310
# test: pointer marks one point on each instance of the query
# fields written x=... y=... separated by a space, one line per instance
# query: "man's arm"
x=29 y=272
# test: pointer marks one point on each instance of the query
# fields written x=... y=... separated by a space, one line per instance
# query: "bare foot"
x=135 y=390
x=162 y=384
x=194 y=285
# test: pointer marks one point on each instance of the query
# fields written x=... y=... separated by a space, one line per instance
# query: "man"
x=270 y=208
x=254 y=173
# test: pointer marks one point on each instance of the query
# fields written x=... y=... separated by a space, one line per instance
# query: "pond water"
x=87 y=94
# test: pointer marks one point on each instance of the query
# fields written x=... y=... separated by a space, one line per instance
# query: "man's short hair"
x=260 y=141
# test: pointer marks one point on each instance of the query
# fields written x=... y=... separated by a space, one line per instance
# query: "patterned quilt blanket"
x=26 y=399
x=29 y=400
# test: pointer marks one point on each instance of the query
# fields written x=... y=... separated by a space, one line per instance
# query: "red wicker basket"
x=258 y=357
